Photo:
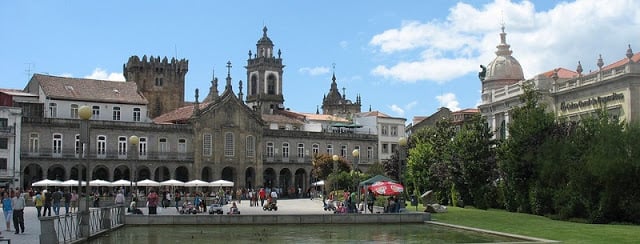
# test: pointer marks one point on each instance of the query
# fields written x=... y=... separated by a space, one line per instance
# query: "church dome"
x=504 y=67
x=265 y=40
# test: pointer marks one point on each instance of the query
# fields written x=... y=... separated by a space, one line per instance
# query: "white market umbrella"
x=221 y=183
x=99 y=183
x=121 y=182
x=47 y=182
x=318 y=183
x=147 y=182
x=72 y=183
x=196 y=183
x=172 y=182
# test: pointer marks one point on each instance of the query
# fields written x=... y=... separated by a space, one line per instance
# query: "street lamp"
x=356 y=154
x=134 y=140
x=335 y=171
x=84 y=112
x=401 y=156
x=402 y=141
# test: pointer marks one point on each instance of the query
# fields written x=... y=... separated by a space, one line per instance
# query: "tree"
x=474 y=169
x=517 y=155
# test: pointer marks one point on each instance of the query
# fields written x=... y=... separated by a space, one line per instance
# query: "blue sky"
x=405 y=58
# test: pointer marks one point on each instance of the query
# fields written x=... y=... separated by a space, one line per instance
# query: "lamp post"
x=356 y=154
x=402 y=142
x=84 y=112
x=335 y=171
x=134 y=140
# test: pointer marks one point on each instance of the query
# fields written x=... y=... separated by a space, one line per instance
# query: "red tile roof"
x=81 y=89
x=178 y=116
x=562 y=73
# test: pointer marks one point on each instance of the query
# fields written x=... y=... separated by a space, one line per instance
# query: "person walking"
x=263 y=195
x=177 y=199
x=7 y=209
x=67 y=201
x=74 y=201
x=18 y=204
x=47 y=203
x=152 y=202
x=38 y=201
x=57 y=196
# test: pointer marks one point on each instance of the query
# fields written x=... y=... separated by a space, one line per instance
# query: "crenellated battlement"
x=161 y=64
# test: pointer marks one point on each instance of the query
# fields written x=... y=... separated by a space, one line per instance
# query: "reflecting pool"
x=312 y=233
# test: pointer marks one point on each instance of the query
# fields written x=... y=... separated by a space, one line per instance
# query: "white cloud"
x=540 y=40
x=344 y=44
x=314 y=71
x=397 y=109
x=449 y=101
x=100 y=74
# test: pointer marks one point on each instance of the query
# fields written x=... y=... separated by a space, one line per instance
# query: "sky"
x=404 y=58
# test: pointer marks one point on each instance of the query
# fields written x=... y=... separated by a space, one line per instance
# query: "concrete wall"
x=276 y=219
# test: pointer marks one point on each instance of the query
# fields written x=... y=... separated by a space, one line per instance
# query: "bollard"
x=48 y=230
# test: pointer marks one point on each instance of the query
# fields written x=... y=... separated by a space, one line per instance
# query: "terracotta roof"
x=81 y=89
x=468 y=110
x=562 y=73
x=621 y=62
x=280 y=119
x=179 y=115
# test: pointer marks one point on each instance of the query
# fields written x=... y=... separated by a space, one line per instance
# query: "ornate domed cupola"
x=503 y=70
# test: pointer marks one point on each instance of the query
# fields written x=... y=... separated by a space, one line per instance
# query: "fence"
x=68 y=228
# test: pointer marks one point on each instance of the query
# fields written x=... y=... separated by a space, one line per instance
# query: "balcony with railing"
x=7 y=131
x=108 y=155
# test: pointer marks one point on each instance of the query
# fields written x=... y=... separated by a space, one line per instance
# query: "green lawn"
x=538 y=226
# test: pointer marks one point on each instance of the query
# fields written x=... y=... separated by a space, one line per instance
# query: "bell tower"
x=264 y=77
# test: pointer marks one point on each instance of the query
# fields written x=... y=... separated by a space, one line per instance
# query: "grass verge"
x=538 y=226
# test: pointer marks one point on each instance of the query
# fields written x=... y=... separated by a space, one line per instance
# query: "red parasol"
x=386 y=188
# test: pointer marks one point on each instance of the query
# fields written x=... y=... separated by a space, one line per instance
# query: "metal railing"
x=67 y=228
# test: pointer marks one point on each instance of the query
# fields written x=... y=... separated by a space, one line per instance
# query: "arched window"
x=228 y=144
x=101 y=146
x=57 y=145
x=300 y=150
x=251 y=147
x=271 y=84
x=285 y=150
x=206 y=145
x=122 y=146
x=253 y=90
x=269 y=149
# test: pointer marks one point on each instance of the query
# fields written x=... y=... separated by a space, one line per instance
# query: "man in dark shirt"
x=57 y=196
x=47 y=203
x=67 y=201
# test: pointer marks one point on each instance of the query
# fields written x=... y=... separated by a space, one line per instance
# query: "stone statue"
x=482 y=73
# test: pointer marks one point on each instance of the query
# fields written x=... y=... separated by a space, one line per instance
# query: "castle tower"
x=335 y=103
x=264 y=77
x=160 y=81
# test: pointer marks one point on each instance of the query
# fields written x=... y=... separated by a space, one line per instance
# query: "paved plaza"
x=300 y=206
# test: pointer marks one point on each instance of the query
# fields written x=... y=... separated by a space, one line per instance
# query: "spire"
x=196 y=105
x=228 y=86
x=240 y=92
x=503 y=47
x=213 y=90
